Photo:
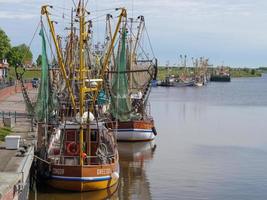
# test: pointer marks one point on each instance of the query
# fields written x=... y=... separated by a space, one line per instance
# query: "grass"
x=29 y=74
x=245 y=72
x=4 y=131
x=235 y=72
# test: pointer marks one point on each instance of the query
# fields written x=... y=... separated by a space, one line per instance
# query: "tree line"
x=19 y=55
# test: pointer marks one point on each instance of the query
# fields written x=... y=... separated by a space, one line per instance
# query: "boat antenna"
x=132 y=9
x=74 y=3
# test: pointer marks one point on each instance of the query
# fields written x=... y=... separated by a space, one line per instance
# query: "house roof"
x=4 y=65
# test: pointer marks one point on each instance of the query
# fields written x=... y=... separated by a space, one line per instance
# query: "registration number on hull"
x=103 y=171
x=58 y=171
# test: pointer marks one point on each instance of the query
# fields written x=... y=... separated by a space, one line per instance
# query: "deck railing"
x=89 y=160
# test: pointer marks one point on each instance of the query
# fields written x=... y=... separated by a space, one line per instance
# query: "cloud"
x=212 y=28
x=17 y=16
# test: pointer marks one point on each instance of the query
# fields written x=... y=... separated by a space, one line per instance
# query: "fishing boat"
x=130 y=85
x=201 y=71
x=76 y=151
x=185 y=79
x=198 y=84
x=221 y=74
x=169 y=81
x=199 y=81
x=184 y=83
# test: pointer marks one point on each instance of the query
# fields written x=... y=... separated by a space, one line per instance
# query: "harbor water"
x=211 y=144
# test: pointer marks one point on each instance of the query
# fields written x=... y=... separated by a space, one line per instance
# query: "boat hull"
x=184 y=84
x=220 y=78
x=199 y=84
x=135 y=131
x=82 y=179
x=135 y=135
x=82 y=186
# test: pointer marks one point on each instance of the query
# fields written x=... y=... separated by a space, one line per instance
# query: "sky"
x=229 y=32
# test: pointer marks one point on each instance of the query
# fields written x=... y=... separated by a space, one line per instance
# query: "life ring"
x=73 y=149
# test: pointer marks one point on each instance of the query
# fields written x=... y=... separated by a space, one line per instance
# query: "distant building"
x=4 y=66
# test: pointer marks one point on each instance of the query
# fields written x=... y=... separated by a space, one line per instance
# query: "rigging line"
x=143 y=51
x=97 y=24
x=30 y=43
x=149 y=42
x=132 y=8
x=59 y=7
x=108 y=9
x=74 y=4
x=86 y=3
x=104 y=15
x=50 y=45
x=65 y=16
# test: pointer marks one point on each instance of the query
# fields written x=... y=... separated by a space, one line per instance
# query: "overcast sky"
x=233 y=32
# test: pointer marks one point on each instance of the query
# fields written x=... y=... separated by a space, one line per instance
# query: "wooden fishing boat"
x=76 y=150
x=135 y=130
x=129 y=87
x=100 y=170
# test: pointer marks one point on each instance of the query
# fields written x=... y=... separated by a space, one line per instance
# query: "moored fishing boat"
x=184 y=83
x=76 y=151
x=221 y=74
x=130 y=84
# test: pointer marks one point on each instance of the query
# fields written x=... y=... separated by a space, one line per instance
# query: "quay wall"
x=17 y=183
x=8 y=91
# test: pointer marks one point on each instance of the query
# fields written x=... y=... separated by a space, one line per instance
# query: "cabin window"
x=94 y=135
x=70 y=136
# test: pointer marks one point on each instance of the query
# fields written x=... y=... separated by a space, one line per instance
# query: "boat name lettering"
x=103 y=171
x=58 y=171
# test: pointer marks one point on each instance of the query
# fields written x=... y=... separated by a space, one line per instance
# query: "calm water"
x=211 y=144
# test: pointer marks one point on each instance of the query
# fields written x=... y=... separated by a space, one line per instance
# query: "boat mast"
x=82 y=73
x=109 y=32
x=109 y=52
x=45 y=12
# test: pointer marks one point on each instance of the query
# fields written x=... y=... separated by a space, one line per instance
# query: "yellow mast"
x=82 y=68
x=81 y=75
x=110 y=50
x=59 y=55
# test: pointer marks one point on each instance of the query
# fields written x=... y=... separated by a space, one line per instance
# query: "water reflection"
x=45 y=192
x=134 y=183
x=134 y=157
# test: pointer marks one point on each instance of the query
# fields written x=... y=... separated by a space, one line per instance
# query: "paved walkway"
x=11 y=166
x=16 y=102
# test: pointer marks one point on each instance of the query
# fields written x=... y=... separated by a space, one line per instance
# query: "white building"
x=3 y=69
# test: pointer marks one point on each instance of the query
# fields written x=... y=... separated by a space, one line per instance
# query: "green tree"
x=39 y=61
x=19 y=55
x=4 y=44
